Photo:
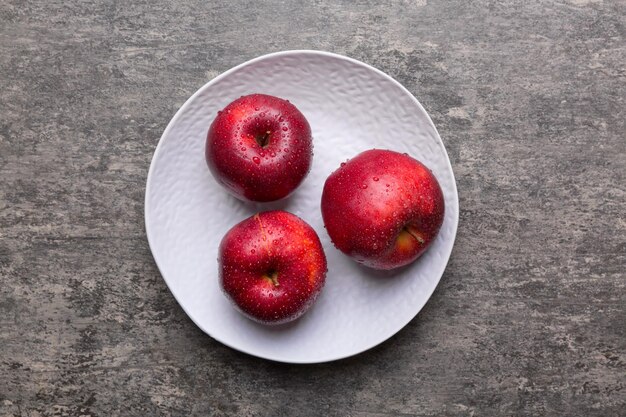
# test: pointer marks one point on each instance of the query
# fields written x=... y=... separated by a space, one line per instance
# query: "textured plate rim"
x=225 y=74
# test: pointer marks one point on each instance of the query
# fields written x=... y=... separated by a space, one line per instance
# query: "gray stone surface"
x=530 y=316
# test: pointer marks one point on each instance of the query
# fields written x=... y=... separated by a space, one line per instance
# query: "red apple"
x=272 y=266
x=259 y=148
x=382 y=208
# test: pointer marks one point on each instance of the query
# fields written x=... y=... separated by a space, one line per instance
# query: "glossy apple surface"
x=259 y=148
x=382 y=208
x=272 y=266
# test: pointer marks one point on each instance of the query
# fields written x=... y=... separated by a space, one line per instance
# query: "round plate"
x=351 y=107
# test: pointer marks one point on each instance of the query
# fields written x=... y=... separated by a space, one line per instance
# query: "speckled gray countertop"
x=529 y=318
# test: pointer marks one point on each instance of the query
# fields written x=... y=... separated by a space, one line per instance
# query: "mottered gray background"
x=530 y=316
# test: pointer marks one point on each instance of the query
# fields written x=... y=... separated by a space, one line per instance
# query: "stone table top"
x=530 y=316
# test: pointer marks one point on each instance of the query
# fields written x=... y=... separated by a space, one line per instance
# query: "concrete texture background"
x=530 y=316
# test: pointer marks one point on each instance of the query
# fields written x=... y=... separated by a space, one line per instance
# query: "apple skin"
x=272 y=267
x=382 y=208
x=259 y=148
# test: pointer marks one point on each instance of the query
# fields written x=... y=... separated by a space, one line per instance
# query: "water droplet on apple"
x=364 y=186
x=252 y=251
x=375 y=178
x=343 y=164
x=286 y=150
x=256 y=109
x=243 y=148
x=280 y=119
x=256 y=160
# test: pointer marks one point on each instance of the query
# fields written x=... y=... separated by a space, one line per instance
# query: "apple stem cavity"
x=272 y=276
x=263 y=139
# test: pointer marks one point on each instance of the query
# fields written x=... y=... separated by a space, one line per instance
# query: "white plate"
x=351 y=107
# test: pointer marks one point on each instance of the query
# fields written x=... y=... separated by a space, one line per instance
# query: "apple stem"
x=273 y=277
x=264 y=139
x=417 y=237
